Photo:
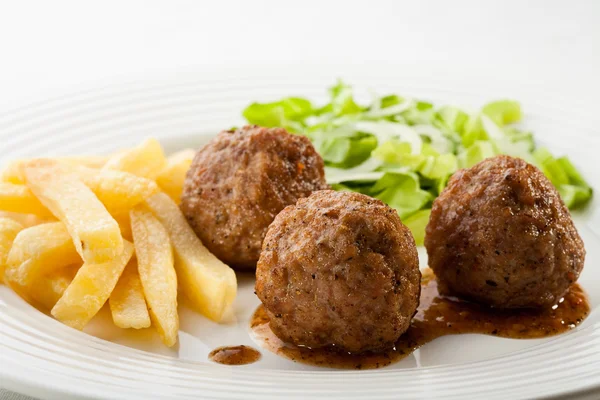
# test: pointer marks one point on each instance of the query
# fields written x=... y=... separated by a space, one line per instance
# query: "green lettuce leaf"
x=278 y=113
x=347 y=152
x=342 y=101
x=575 y=196
x=574 y=175
x=403 y=150
x=397 y=153
x=402 y=192
x=550 y=167
x=473 y=131
x=453 y=118
x=391 y=100
x=417 y=223
x=503 y=112
x=477 y=152
x=439 y=167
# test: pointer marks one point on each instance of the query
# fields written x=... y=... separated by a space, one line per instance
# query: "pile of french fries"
x=78 y=232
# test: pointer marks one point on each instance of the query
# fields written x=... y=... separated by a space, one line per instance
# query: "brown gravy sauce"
x=234 y=355
x=437 y=316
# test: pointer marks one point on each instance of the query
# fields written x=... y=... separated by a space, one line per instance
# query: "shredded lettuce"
x=477 y=152
x=417 y=223
x=503 y=112
x=401 y=191
x=342 y=100
x=285 y=113
x=453 y=118
x=403 y=150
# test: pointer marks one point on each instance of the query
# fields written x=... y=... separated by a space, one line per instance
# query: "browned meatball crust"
x=499 y=234
x=240 y=181
x=339 y=268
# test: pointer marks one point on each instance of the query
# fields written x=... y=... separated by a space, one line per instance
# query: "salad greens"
x=402 y=150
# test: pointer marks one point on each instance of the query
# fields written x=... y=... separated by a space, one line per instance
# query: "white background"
x=48 y=48
x=52 y=47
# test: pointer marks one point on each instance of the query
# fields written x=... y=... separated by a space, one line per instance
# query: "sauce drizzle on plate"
x=437 y=316
x=234 y=355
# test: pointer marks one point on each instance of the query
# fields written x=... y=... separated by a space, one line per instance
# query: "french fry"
x=172 y=176
x=85 y=161
x=9 y=229
x=90 y=289
x=37 y=251
x=48 y=289
x=13 y=172
x=19 y=199
x=95 y=233
x=127 y=302
x=157 y=273
x=145 y=160
x=119 y=191
x=125 y=225
x=27 y=220
x=205 y=280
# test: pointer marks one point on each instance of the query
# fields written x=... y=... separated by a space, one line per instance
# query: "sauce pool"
x=437 y=316
x=234 y=355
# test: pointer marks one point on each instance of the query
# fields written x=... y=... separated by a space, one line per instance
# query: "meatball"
x=499 y=234
x=240 y=181
x=339 y=269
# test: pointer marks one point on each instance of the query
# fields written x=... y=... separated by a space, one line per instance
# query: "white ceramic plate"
x=43 y=358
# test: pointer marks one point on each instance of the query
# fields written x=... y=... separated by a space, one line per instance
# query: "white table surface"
x=52 y=48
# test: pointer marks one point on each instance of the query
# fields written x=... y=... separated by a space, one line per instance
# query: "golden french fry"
x=127 y=302
x=13 y=172
x=27 y=220
x=205 y=280
x=90 y=289
x=157 y=273
x=37 y=251
x=119 y=191
x=94 y=231
x=85 y=161
x=48 y=289
x=172 y=176
x=125 y=225
x=19 y=199
x=9 y=229
x=145 y=160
